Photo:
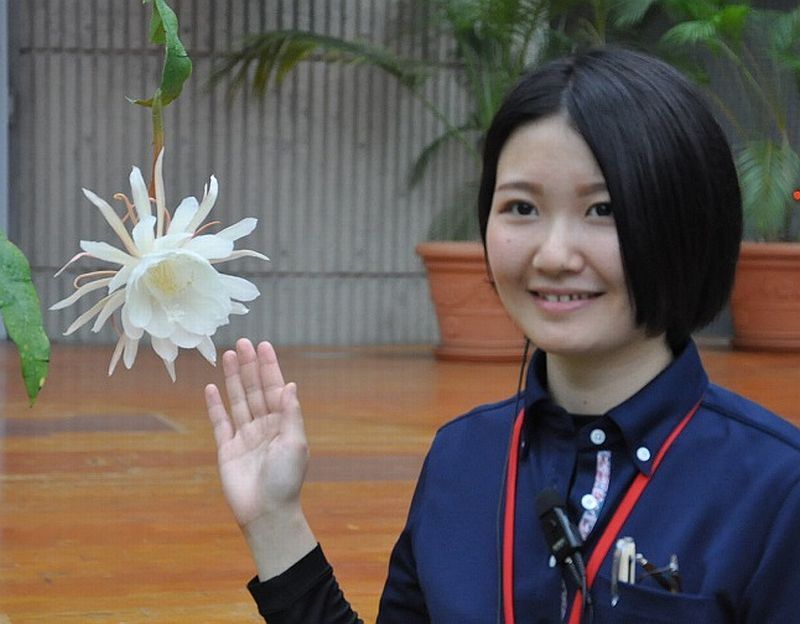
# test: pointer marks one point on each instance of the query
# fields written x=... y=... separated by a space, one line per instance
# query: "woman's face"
x=553 y=247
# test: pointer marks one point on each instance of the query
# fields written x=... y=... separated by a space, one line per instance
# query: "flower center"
x=167 y=278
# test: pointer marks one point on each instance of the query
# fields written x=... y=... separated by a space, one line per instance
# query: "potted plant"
x=761 y=48
x=492 y=43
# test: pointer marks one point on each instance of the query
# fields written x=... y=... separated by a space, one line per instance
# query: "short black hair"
x=669 y=172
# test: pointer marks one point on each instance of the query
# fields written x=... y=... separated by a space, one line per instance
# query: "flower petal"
x=121 y=278
x=240 y=253
x=206 y=204
x=113 y=220
x=238 y=230
x=117 y=353
x=86 y=316
x=112 y=304
x=131 y=347
x=129 y=328
x=183 y=215
x=139 y=191
x=185 y=339
x=170 y=369
x=165 y=348
x=104 y=251
x=239 y=288
x=208 y=350
x=143 y=234
x=138 y=306
x=238 y=308
x=86 y=288
x=210 y=246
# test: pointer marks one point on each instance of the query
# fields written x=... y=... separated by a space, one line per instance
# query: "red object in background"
x=796 y=195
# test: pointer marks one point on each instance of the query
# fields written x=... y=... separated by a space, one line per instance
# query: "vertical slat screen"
x=322 y=161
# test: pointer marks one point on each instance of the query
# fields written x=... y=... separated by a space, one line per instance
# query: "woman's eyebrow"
x=534 y=187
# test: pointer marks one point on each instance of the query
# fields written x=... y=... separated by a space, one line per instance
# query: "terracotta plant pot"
x=473 y=323
x=765 y=303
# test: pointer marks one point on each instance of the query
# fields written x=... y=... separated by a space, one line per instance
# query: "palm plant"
x=492 y=42
x=762 y=49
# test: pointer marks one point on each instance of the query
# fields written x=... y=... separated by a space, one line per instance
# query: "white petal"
x=113 y=220
x=159 y=325
x=241 y=253
x=129 y=328
x=86 y=288
x=183 y=215
x=121 y=278
x=113 y=303
x=131 y=347
x=185 y=339
x=210 y=246
x=138 y=306
x=143 y=234
x=141 y=200
x=165 y=348
x=208 y=350
x=117 y=353
x=206 y=205
x=170 y=369
x=238 y=308
x=86 y=316
x=238 y=230
x=239 y=288
x=104 y=251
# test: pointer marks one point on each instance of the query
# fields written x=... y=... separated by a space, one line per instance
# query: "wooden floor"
x=110 y=508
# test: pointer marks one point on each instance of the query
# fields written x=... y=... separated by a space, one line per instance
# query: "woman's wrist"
x=278 y=540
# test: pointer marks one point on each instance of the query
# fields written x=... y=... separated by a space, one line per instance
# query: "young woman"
x=611 y=216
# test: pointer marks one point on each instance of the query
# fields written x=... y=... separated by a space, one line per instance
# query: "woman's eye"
x=600 y=210
x=523 y=209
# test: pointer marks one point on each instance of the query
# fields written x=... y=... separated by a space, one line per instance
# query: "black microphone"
x=561 y=535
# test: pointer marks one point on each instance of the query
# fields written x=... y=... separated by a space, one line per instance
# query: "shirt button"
x=589 y=502
x=552 y=562
x=643 y=453
x=598 y=436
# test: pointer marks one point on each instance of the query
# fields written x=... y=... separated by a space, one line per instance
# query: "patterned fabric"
x=602 y=476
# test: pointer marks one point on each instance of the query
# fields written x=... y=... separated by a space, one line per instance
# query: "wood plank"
x=111 y=522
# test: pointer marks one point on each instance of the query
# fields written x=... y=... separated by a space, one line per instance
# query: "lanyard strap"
x=608 y=536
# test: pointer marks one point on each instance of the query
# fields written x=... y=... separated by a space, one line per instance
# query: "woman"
x=611 y=217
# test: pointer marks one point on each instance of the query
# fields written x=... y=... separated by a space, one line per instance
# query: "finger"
x=220 y=421
x=240 y=410
x=293 y=424
x=251 y=378
x=271 y=376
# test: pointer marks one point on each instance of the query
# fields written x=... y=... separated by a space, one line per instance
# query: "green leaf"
x=769 y=172
x=22 y=316
x=177 y=64
x=629 y=13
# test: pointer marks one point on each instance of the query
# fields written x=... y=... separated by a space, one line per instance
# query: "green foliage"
x=177 y=64
x=22 y=316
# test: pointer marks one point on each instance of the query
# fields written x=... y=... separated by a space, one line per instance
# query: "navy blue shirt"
x=725 y=500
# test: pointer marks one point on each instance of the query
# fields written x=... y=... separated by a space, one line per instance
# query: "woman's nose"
x=558 y=250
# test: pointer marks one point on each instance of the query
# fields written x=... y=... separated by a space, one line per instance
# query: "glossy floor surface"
x=110 y=508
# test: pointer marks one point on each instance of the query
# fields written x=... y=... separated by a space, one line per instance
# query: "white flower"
x=166 y=285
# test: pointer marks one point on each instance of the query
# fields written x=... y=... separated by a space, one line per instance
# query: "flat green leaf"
x=22 y=316
x=177 y=64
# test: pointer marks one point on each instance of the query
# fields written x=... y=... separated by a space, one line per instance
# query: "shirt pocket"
x=643 y=603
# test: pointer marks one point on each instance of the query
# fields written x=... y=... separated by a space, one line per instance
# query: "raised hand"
x=262 y=454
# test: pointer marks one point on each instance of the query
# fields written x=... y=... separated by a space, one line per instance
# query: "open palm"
x=262 y=446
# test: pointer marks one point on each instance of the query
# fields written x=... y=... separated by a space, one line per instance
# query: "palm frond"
x=627 y=13
x=427 y=154
x=769 y=173
x=279 y=52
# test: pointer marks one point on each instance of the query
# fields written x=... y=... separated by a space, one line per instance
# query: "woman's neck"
x=595 y=384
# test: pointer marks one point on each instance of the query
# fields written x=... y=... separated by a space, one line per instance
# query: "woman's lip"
x=563 y=301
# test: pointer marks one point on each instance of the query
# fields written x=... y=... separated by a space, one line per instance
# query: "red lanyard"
x=606 y=539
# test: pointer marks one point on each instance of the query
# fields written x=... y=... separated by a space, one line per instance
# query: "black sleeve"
x=306 y=593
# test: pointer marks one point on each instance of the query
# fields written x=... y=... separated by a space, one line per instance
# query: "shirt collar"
x=648 y=417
